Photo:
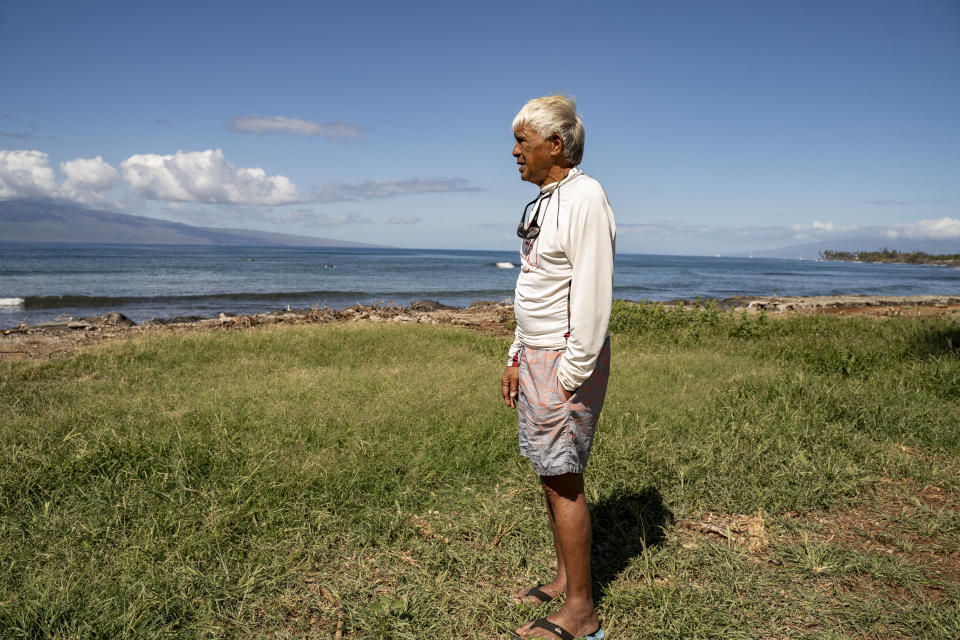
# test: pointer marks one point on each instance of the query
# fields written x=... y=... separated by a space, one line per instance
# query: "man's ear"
x=556 y=145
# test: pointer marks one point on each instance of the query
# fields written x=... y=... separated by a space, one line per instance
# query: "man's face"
x=534 y=155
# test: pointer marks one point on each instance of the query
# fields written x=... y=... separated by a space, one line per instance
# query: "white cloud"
x=404 y=220
x=816 y=231
x=941 y=229
x=87 y=179
x=205 y=176
x=293 y=126
x=816 y=225
x=26 y=174
x=371 y=189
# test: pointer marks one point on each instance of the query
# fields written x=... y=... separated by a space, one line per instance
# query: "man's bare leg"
x=559 y=582
x=571 y=519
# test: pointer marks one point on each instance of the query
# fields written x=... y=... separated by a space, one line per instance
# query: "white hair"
x=552 y=115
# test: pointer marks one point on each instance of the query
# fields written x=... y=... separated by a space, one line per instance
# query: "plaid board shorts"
x=555 y=434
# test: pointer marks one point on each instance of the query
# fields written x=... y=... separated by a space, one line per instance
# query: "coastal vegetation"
x=890 y=255
x=753 y=477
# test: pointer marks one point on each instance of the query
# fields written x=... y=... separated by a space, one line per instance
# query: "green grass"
x=270 y=482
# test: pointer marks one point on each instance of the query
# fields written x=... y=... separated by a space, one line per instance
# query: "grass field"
x=752 y=478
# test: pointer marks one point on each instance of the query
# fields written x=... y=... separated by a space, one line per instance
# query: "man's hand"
x=510 y=382
x=566 y=394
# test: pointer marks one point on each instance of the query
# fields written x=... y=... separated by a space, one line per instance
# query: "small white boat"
x=504 y=265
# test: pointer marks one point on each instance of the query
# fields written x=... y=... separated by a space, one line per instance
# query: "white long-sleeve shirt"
x=569 y=263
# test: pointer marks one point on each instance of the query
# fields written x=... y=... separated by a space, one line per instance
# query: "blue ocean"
x=45 y=282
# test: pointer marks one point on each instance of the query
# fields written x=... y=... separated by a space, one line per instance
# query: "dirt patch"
x=49 y=344
x=60 y=339
x=937 y=497
x=891 y=519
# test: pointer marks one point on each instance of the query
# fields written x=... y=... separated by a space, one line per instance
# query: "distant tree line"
x=890 y=255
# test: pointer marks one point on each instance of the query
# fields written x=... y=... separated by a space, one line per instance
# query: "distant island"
x=31 y=221
x=890 y=255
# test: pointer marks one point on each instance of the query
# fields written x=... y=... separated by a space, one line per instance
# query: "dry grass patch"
x=897 y=529
x=749 y=531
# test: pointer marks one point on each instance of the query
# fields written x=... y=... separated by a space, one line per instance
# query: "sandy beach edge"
x=61 y=338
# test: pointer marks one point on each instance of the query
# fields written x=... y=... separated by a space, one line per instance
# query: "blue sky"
x=714 y=127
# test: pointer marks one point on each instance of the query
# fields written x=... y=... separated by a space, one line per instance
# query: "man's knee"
x=568 y=486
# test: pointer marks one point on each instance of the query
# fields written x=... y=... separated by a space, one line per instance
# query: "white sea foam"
x=504 y=265
x=11 y=302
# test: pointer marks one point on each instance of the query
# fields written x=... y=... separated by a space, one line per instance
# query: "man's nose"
x=516 y=150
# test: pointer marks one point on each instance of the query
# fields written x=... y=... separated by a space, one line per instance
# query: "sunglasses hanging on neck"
x=532 y=230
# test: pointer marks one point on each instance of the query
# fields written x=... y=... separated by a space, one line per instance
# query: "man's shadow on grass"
x=624 y=524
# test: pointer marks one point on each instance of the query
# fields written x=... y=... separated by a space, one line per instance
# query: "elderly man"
x=559 y=362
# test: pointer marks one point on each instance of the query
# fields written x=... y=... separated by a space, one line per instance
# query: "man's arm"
x=590 y=246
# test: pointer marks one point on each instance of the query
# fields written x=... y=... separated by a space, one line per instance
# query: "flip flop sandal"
x=537 y=593
x=556 y=629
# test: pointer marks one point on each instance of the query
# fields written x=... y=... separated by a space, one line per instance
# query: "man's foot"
x=555 y=626
x=540 y=594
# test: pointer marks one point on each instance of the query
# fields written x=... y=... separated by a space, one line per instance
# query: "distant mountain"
x=812 y=251
x=36 y=221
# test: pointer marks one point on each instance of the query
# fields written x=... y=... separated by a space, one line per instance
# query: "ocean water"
x=45 y=282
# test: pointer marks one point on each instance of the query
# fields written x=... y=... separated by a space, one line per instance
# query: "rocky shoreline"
x=851 y=305
x=60 y=338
